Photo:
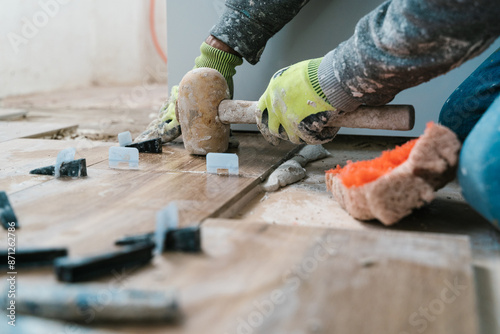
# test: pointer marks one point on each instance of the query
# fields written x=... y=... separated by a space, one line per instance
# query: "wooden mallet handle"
x=205 y=113
x=389 y=117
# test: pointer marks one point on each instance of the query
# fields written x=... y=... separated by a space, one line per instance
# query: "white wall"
x=50 y=45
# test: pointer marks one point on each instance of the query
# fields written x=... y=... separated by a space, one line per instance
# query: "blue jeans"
x=473 y=113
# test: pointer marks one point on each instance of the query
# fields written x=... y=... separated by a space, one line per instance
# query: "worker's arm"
x=247 y=25
x=404 y=43
x=400 y=44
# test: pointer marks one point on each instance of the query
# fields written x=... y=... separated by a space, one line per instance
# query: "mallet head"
x=200 y=93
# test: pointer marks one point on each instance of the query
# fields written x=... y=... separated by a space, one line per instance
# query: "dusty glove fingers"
x=295 y=107
x=263 y=125
x=149 y=133
x=166 y=125
x=168 y=133
x=314 y=129
x=160 y=129
x=268 y=123
x=167 y=110
x=169 y=127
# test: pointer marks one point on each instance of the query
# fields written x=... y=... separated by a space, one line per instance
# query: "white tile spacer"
x=222 y=163
x=166 y=219
x=65 y=155
x=125 y=138
x=123 y=155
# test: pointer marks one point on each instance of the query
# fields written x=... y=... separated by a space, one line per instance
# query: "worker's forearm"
x=403 y=43
x=247 y=25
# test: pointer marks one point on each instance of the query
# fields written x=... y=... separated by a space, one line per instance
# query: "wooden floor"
x=286 y=262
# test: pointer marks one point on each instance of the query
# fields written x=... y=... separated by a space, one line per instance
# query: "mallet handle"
x=389 y=117
x=238 y=112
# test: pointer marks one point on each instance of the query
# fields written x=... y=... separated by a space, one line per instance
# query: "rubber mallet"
x=205 y=113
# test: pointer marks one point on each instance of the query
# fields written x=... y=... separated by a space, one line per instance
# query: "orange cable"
x=153 y=30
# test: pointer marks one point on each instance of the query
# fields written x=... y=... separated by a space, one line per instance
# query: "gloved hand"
x=166 y=125
x=295 y=108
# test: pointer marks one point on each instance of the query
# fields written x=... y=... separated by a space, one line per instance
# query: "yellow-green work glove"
x=166 y=125
x=294 y=107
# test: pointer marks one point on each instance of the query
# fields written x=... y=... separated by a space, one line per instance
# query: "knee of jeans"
x=462 y=111
x=451 y=117
x=479 y=166
x=478 y=178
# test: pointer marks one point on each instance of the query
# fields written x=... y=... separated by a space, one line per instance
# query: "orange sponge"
x=361 y=172
x=389 y=187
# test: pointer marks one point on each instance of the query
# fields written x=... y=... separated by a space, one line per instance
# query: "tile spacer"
x=123 y=155
x=222 y=163
x=125 y=138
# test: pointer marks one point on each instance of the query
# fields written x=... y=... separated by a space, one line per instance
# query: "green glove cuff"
x=219 y=60
x=312 y=73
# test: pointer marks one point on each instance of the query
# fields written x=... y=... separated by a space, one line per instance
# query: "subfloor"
x=291 y=261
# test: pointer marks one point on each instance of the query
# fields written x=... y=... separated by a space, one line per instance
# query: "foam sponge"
x=389 y=187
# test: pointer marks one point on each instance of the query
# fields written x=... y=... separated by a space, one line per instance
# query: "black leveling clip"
x=148 y=146
x=75 y=168
x=7 y=216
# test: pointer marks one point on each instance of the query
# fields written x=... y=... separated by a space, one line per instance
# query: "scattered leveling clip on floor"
x=34 y=257
x=147 y=146
x=75 y=168
x=66 y=165
x=84 y=269
x=183 y=239
x=126 y=156
x=138 y=250
x=168 y=236
x=7 y=215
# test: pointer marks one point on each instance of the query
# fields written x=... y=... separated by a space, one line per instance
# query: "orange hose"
x=153 y=31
